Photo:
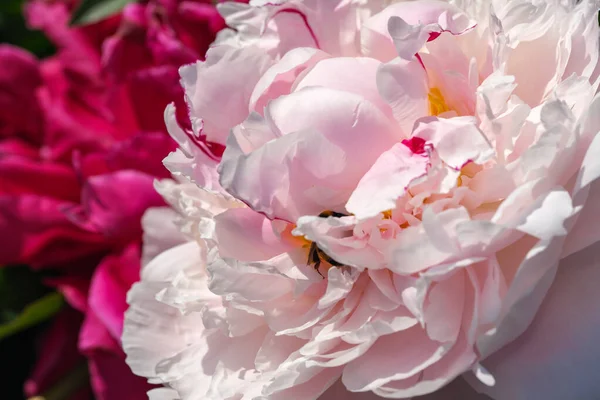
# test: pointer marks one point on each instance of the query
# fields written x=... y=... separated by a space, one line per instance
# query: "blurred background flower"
x=83 y=87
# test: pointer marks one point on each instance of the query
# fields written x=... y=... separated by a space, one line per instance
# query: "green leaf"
x=36 y=312
x=91 y=11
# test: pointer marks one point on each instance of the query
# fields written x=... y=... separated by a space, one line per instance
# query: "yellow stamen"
x=469 y=170
x=437 y=103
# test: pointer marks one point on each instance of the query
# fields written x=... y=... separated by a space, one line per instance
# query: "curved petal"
x=557 y=356
x=456 y=140
x=19 y=109
x=219 y=89
x=108 y=207
x=246 y=235
x=339 y=392
x=458 y=389
x=151 y=325
x=329 y=139
x=36 y=231
x=403 y=28
x=403 y=84
x=281 y=77
x=399 y=356
x=587 y=189
x=160 y=232
x=340 y=73
x=111 y=281
x=386 y=181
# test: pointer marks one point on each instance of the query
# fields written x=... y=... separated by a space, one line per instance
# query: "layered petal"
x=311 y=123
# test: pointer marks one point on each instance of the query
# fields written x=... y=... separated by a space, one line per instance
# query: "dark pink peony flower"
x=82 y=139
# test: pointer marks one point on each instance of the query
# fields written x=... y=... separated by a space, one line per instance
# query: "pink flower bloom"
x=401 y=185
x=19 y=79
x=81 y=140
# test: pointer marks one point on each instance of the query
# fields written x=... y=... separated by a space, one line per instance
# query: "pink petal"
x=457 y=140
x=555 y=357
x=223 y=82
x=160 y=232
x=340 y=73
x=246 y=235
x=143 y=152
x=19 y=79
x=113 y=380
x=108 y=207
x=159 y=322
x=36 y=231
x=409 y=26
x=281 y=77
x=403 y=84
x=28 y=174
x=386 y=181
x=398 y=356
x=111 y=281
x=95 y=336
x=330 y=139
x=458 y=389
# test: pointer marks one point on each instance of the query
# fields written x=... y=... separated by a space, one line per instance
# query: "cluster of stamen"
x=437 y=103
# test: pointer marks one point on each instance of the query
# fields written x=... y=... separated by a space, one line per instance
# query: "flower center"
x=437 y=103
x=468 y=172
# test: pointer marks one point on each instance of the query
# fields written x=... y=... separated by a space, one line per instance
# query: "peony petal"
x=247 y=236
x=36 y=231
x=586 y=190
x=457 y=140
x=111 y=281
x=338 y=392
x=281 y=77
x=555 y=357
x=225 y=81
x=397 y=356
x=336 y=237
x=108 y=206
x=23 y=173
x=525 y=293
x=20 y=112
x=386 y=181
x=330 y=139
x=433 y=242
x=158 y=236
x=458 y=389
x=403 y=84
x=410 y=26
x=338 y=73
x=158 y=322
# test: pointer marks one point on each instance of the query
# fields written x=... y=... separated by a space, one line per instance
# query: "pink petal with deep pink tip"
x=210 y=88
x=403 y=28
x=386 y=181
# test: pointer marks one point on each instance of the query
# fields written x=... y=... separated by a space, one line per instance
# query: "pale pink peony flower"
x=400 y=185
